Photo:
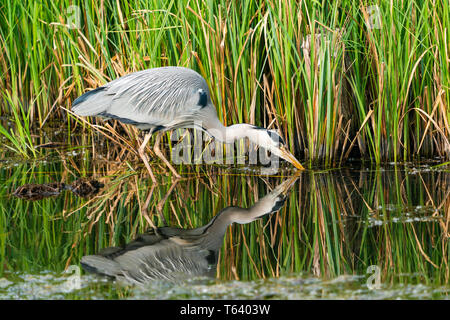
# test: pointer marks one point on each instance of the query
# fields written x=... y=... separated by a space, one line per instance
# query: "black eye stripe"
x=278 y=204
x=203 y=100
x=275 y=137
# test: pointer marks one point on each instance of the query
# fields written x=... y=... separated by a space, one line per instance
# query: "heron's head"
x=266 y=138
x=272 y=141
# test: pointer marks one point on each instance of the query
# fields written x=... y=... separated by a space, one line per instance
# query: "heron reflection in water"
x=175 y=254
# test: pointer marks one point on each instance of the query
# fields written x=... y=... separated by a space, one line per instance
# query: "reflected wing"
x=165 y=260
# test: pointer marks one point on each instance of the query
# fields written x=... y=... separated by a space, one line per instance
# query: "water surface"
x=357 y=232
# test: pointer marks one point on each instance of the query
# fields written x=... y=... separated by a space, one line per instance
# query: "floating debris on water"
x=5 y=283
x=84 y=187
x=280 y=169
x=39 y=191
x=50 y=145
x=80 y=187
x=390 y=213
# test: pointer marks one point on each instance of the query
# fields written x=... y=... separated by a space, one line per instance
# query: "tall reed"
x=339 y=79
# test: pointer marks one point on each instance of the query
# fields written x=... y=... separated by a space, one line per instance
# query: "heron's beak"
x=285 y=154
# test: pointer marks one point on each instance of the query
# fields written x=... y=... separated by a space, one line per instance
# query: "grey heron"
x=166 y=98
x=173 y=254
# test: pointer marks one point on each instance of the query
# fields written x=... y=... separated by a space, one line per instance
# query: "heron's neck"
x=232 y=133
x=216 y=228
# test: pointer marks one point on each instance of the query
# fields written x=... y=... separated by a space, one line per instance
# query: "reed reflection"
x=174 y=254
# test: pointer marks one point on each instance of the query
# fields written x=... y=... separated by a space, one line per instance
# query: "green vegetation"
x=344 y=78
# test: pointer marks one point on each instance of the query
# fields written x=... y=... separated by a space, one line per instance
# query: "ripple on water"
x=51 y=286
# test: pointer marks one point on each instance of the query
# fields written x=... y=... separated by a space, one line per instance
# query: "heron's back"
x=158 y=262
x=170 y=254
x=165 y=97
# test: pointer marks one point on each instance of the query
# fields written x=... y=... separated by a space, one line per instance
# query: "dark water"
x=357 y=232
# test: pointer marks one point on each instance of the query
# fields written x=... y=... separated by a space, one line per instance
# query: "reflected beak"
x=287 y=184
x=286 y=155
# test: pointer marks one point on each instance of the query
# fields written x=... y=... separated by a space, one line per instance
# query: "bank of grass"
x=340 y=79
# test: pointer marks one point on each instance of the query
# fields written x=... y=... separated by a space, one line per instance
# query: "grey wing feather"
x=158 y=97
x=162 y=261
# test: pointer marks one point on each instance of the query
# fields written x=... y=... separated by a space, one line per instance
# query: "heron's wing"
x=158 y=96
x=166 y=260
x=146 y=239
